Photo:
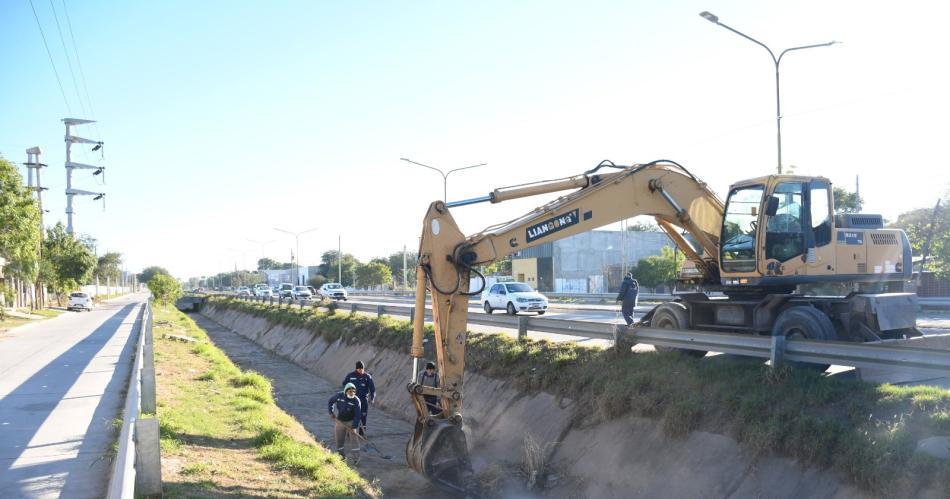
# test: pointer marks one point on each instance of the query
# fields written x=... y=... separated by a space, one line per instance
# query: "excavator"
x=750 y=259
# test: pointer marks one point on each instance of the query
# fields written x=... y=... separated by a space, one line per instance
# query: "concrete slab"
x=61 y=385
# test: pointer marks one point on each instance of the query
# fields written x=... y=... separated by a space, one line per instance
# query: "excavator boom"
x=447 y=258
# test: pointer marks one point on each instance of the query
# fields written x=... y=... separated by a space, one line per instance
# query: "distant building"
x=278 y=276
x=590 y=262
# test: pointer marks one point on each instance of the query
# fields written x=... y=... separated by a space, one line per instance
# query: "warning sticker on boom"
x=551 y=225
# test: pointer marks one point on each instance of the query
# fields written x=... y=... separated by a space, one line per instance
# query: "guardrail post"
x=412 y=315
x=148 y=459
x=621 y=345
x=379 y=310
x=148 y=390
x=777 y=354
x=522 y=328
x=148 y=367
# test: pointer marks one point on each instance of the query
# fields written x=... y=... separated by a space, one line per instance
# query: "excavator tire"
x=673 y=315
x=805 y=323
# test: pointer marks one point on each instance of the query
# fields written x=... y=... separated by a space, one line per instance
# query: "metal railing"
x=136 y=470
x=886 y=354
x=922 y=301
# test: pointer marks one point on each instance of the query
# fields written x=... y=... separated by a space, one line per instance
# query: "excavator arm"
x=447 y=259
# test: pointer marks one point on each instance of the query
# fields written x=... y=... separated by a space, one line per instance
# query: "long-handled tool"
x=371 y=446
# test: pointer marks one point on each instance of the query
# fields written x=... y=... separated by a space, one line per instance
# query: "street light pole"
x=777 y=60
x=445 y=175
x=297 y=241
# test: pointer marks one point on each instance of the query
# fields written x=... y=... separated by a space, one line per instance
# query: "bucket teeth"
x=438 y=450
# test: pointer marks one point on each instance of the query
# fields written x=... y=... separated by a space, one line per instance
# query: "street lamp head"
x=709 y=16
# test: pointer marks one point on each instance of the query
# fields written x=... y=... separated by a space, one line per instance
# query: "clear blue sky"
x=223 y=120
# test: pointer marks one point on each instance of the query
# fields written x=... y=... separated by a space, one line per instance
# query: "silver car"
x=301 y=293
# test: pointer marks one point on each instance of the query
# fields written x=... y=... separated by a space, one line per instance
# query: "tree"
x=269 y=264
x=375 y=273
x=67 y=262
x=654 y=270
x=164 y=287
x=109 y=267
x=395 y=267
x=499 y=267
x=644 y=227
x=328 y=266
x=149 y=272
x=19 y=224
x=266 y=264
x=317 y=280
x=846 y=202
x=917 y=225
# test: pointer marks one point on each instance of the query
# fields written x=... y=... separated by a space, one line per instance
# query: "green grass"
x=219 y=406
x=866 y=432
x=45 y=312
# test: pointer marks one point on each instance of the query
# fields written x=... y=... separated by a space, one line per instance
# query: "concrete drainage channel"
x=625 y=457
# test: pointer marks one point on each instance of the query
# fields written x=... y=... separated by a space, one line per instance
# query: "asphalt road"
x=62 y=382
x=929 y=321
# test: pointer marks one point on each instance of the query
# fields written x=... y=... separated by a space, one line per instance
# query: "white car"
x=262 y=292
x=333 y=290
x=79 y=301
x=243 y=291
x=514 y=297
x=301 y=293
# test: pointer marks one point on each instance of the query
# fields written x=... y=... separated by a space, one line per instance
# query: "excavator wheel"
x=805 y=323
x=438 y=451
x=673 y=315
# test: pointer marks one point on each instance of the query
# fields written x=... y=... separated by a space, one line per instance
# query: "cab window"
x=783 y=235
x=739 y=228
x=820 y=213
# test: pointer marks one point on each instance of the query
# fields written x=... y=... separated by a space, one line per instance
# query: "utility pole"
x=405 y=283
x=339 y=258
x=70 y=166
x=33 y=163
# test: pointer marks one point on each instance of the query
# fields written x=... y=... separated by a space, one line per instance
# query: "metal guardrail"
x=922 y=301
x=870 y=355
x=136 y=469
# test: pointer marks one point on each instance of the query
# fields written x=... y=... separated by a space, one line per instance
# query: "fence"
x=136 y=471
x=888 y=354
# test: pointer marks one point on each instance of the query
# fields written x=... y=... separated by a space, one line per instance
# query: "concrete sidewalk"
x=61 y=385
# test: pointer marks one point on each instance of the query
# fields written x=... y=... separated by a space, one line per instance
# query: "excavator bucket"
x=439 y=452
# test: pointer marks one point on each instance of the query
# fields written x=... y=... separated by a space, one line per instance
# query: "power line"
x=82 y=74
x=58 y=81
x=69 y=63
